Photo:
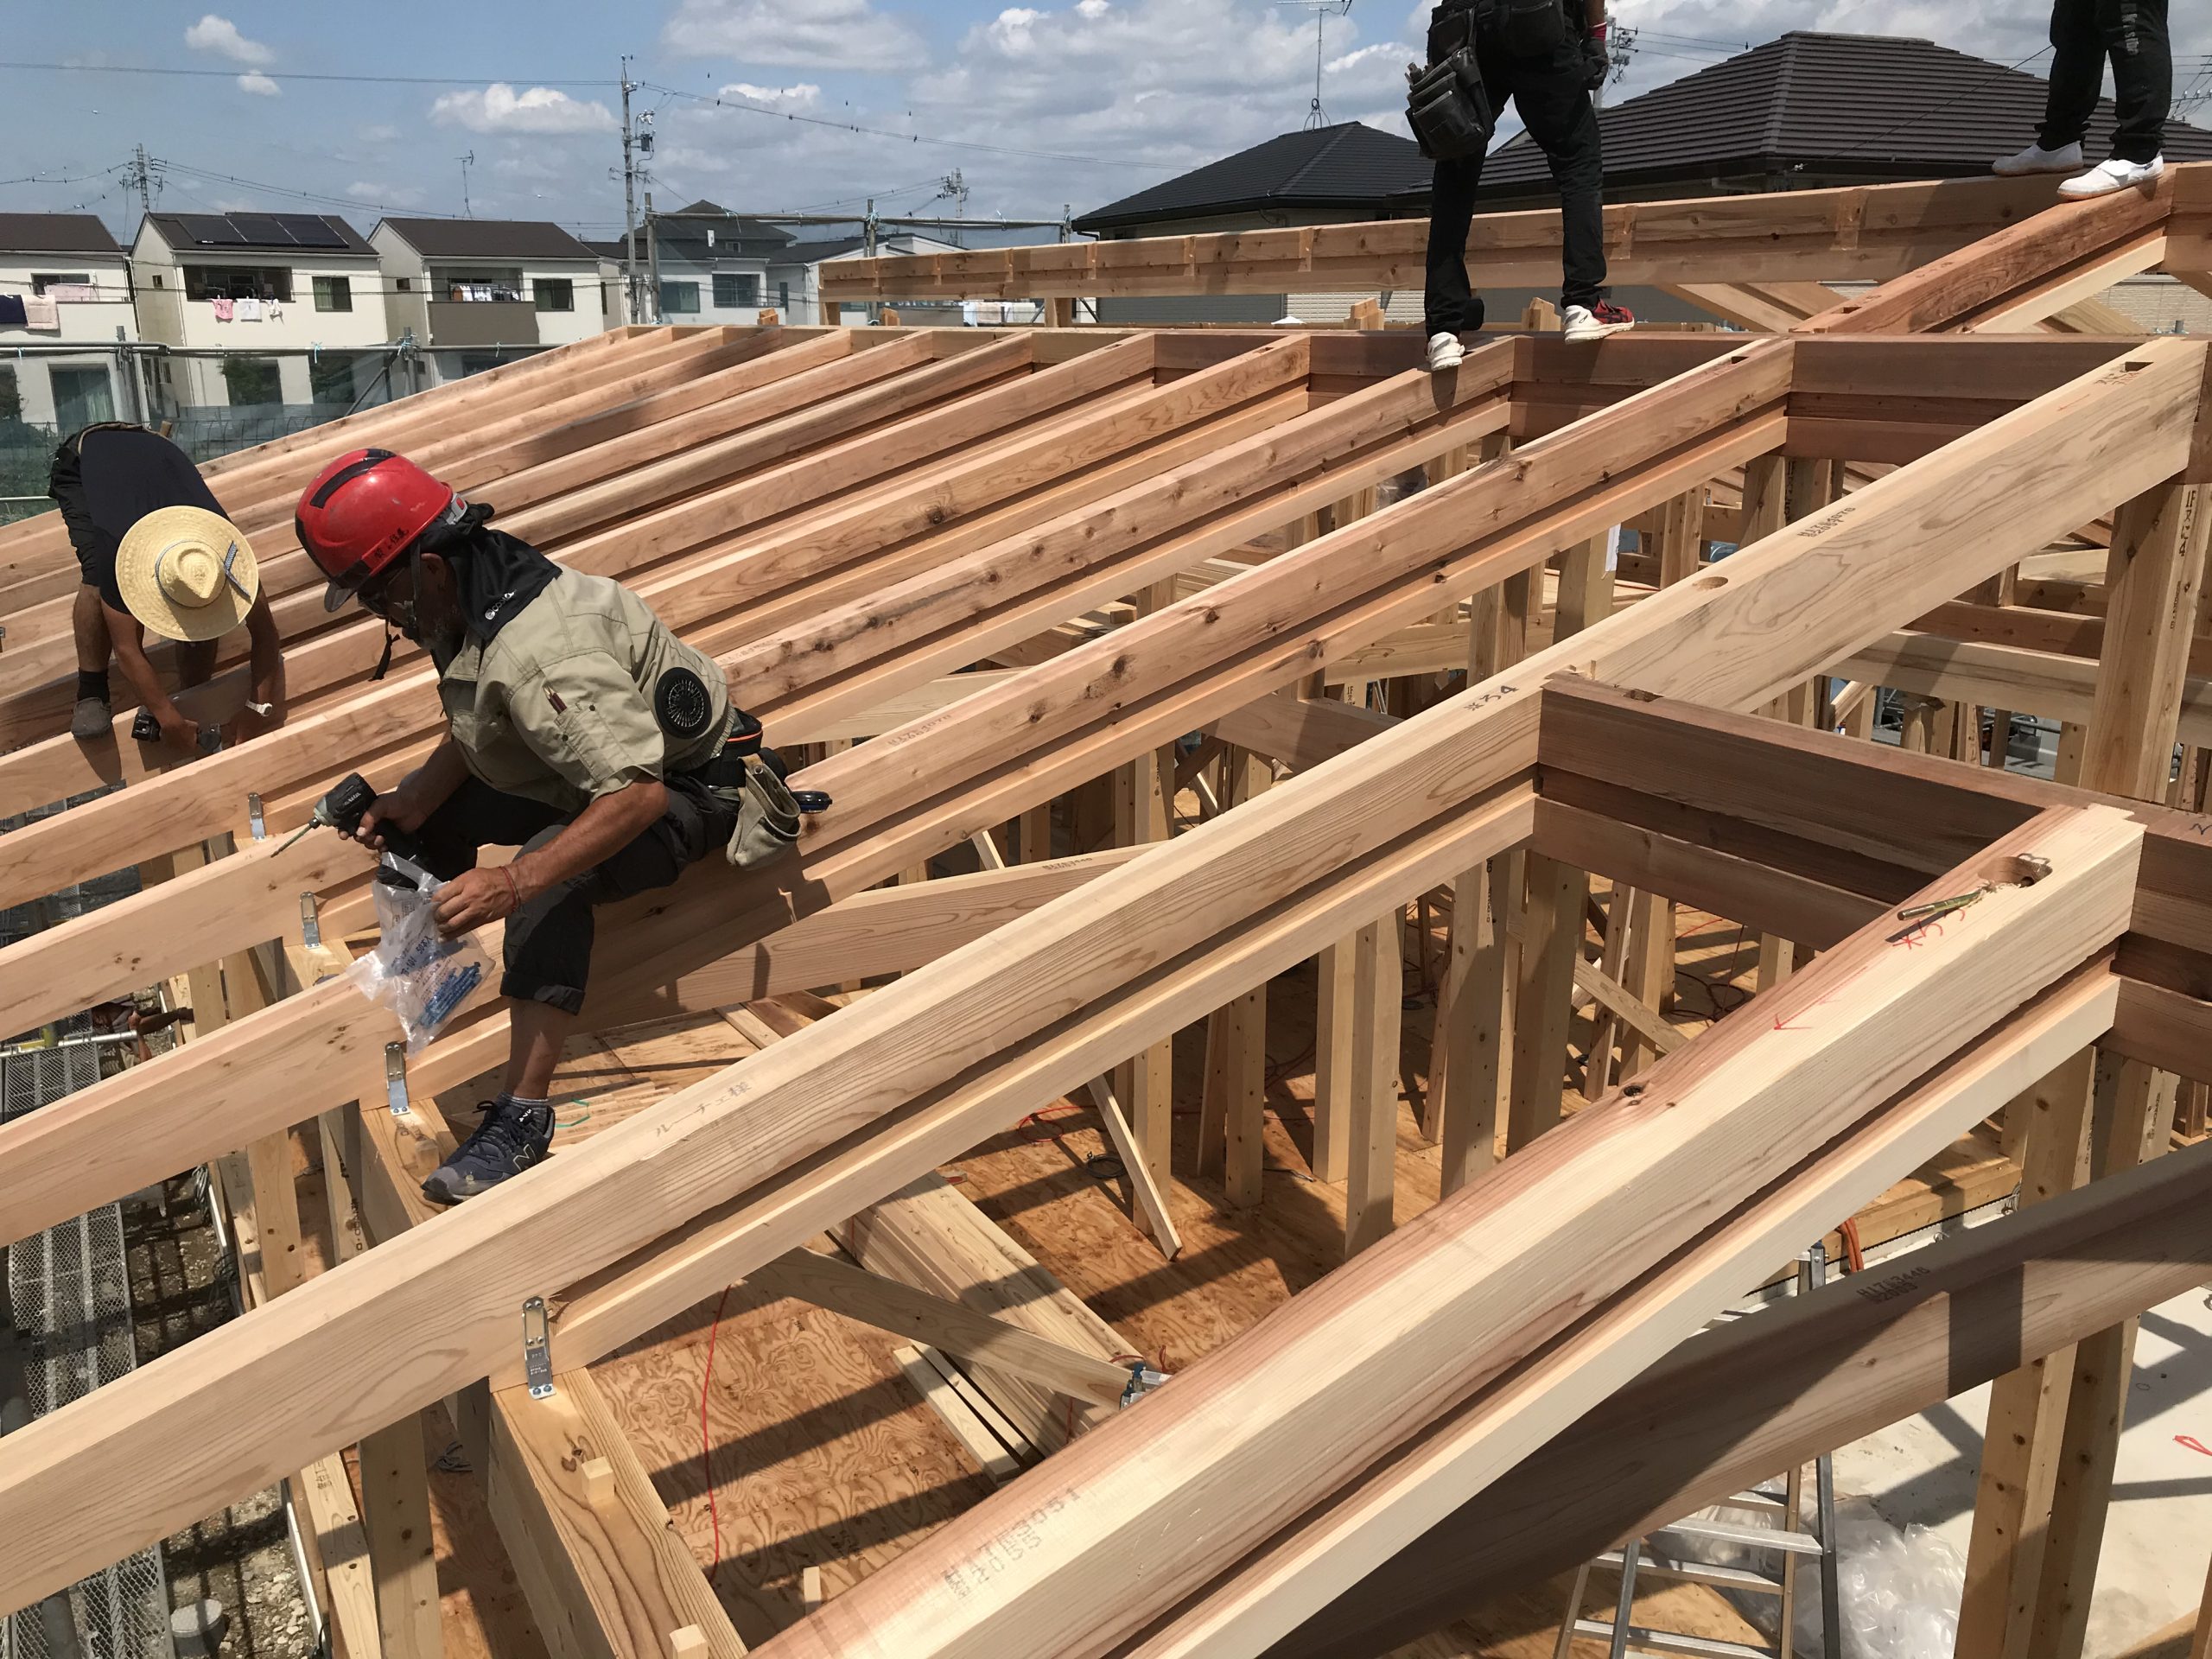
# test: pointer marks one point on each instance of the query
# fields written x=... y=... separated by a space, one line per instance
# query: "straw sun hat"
x=187 y=573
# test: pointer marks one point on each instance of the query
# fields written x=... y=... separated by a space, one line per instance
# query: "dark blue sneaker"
x=510 y=1139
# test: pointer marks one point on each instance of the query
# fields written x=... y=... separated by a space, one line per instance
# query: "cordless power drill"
x=342 y=810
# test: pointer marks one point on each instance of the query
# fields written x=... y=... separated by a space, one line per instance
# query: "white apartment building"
x=294 y=302
x=478 y=292
x=795 y=279
x=66 y=276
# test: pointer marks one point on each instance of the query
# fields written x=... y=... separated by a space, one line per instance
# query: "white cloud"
x=379 y=134
x=499 y=108
x=803 y=95
x=399 y=195
x=260 y=86
x=1092 y=8
x=801 y=34
x=220 y=36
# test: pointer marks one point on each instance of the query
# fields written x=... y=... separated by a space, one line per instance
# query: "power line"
x=209 y=176
x=288 y=74
x=886 y=132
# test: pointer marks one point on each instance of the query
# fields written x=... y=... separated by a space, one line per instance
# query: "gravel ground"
x=240 y=1557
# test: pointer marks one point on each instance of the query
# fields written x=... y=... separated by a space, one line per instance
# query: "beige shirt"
x=559 y=706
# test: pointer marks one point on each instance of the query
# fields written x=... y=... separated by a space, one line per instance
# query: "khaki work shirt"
x=559 y=706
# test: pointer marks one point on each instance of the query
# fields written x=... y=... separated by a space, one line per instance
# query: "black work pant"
x=2132 y=34
x=549 y=940
x=1554 y=105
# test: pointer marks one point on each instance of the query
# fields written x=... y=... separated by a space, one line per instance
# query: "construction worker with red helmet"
x=578 y=727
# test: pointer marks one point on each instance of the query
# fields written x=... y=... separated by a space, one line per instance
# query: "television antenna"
x=466 y=162
x=1321 y=11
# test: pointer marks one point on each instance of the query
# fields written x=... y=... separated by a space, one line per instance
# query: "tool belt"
x=1448 y=108
x=747 y=776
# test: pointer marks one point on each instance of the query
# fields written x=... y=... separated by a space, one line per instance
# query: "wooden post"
x=1371 y=1194
x=1145 y=1085
x=1334 y=1016
x=1552 y=943
x=1236 y=1044
x=396 y=1509
x=2039 y=1518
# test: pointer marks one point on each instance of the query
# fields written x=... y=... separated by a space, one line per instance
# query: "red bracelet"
x=513 y=891
x=1596 y=32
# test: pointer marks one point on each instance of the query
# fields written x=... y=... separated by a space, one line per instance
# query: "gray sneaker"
x=92 y=719
x=509 y=1141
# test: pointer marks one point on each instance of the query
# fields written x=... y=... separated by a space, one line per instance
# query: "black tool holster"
x=1446 y=105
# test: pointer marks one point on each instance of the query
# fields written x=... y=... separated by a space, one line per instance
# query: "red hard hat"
x=363 y=512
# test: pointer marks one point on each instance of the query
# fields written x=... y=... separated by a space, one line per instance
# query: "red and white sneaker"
x=1596 y=321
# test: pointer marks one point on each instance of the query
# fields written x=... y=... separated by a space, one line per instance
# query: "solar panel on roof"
x=260 y=227
x=211 y=230
x=309 y=231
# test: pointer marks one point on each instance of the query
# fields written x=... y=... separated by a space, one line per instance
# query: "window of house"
x=11 y=395
x=252 y=380
x=81 y=397
x=333 y=293
x=158 y=282
x=477 y=362
x=734 y=291
x=783 y=297
x=503 y=282
x=41 y=280
x=554 y=294
x=404 y=285
x=238 y=283
x=678 y=298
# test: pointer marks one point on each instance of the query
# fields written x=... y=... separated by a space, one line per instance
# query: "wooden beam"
x=1866 y=1011
x=921 y=1317
x=1811 y=1375
x=1854 y=232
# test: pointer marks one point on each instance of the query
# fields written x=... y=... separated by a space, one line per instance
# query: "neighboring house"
x=1802 y=111
x=714 y=263
x=293 y=302
x=59 y=367
x=1325 y=176
x=795 y=279
x=478 y=292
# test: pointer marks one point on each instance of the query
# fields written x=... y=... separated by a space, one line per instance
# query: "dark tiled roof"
x=55 y=233
x=219 y=233
x=1345 y=166
x=737 y=227
x=811 y=253
x=1871 y=105
x=489 y=238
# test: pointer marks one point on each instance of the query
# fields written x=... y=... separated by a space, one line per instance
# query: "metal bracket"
x=394 y=1078
x=537 y=1348
x=1143 y=1380
x=310 y=921
x=254 y=817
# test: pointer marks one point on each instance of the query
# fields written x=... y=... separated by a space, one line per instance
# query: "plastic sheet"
x=1899 y=1591
x=423 y=979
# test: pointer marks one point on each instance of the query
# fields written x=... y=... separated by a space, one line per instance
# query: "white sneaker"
x=2067 y=158
x=2112 y=175
x=1444 y=351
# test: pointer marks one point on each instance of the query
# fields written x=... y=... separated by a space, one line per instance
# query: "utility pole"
x=466 y=162
x=140 y=175
x=629 y=201
x=652 y=257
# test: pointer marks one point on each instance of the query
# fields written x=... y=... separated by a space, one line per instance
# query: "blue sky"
x=1070 y=103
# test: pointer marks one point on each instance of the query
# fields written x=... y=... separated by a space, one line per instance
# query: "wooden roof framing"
x=850 y=519
x=1855 y=233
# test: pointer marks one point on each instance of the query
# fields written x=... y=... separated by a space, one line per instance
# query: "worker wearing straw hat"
x=107 y=478
x=189 y=575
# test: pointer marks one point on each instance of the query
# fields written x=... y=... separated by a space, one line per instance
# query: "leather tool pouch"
x=1449 y=111
x=767 y=821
